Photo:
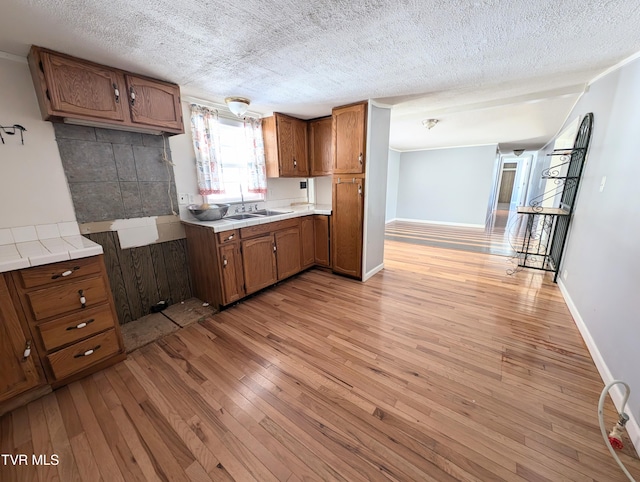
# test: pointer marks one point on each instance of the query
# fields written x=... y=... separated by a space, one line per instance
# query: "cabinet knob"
x=360 y=158
x=224 y=261
x=230 y=237
x=132 y=95
x=80 y=326
x=83 y=300
x=116 y=92
x=295 y=163
x=65 y=273
x=27 y=350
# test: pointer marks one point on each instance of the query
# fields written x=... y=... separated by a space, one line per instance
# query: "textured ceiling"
x=483 y=65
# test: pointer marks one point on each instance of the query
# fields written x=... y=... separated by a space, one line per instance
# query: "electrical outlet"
x=183 y=198
x=303 y=184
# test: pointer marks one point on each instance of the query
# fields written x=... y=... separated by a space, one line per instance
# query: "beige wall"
x=33 y=187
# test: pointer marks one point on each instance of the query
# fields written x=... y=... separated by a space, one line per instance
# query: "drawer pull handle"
x=66 y=273
x=229 y=238
x=27 y=350
x=224 y=261
x=83 y=300
x=81 y=325
x=90 y=351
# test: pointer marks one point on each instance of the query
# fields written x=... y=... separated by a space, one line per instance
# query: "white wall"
x=446 y=185
x=323 y=186
x=393 y=175
x=602 y=259
x=280 y=192
x=375 y=188
x=33 y=187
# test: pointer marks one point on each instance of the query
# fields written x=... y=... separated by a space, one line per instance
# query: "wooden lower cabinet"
x=231 y=269
x=17 y=373
x=347 y=228
x=259 y=262
x=227 y=266
x=321 y=240
x=307 y=242
x=288 y=251
x=62 y=317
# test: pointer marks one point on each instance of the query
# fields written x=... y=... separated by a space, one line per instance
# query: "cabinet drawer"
x=227 y=236
x=64 y=298
x=57 y=273
x=260 y=229
x=72 y=328
x=83 y=354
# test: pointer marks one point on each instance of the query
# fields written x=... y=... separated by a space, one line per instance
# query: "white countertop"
x=26 y=246
x=293 y=212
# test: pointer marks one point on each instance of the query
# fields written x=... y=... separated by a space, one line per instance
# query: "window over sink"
x=230 y=161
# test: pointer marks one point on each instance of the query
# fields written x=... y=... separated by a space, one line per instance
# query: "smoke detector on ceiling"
x=430 y=123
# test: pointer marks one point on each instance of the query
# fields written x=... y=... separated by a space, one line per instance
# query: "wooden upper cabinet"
x=285 y=146
x=154 y=103
x=320 y=147
x=17 y=374
x=79 y=87
x=86 y=92
x=349 y=139
x=347 y=226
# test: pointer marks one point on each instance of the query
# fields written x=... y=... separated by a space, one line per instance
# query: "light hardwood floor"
x=439 y=368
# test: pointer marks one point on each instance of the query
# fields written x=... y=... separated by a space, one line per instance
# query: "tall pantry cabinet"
x=360 y=157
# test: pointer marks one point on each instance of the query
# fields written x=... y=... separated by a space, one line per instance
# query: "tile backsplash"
x=116 y=174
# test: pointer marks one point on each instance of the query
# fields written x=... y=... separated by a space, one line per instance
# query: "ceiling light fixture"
x=430 y=123
x=237 y=105
x=518 y=152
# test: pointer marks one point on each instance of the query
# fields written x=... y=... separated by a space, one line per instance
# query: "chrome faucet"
x=242 y=198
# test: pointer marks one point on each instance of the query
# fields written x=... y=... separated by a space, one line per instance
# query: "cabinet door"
x=75 y=87
x=259 y=263
x=285 y=135
x=349 y=135
x=320 y=147
x=346 y=232
x=232 y=277
x=154 y=103
x=300 y=155
x=321 y=245
x=288 y=252
x=307 y=241
x=17 y=374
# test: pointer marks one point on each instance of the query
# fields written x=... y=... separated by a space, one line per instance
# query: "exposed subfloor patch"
x=157 y=325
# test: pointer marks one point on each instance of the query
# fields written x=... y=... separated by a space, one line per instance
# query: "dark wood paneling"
x=111 y=247
x=175 y=258
x=141 y=277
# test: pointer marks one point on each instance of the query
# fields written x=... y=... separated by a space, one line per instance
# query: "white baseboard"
x=444 y=223
x=375 y=270
x=633 y=428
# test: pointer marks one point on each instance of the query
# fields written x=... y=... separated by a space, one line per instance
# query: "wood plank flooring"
x=439 y=368
x=502 y=234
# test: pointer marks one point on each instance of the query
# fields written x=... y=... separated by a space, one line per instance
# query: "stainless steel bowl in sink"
x=208 y=212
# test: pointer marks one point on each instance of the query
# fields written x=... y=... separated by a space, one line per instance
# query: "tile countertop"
x=27 y=246
x=287 y=213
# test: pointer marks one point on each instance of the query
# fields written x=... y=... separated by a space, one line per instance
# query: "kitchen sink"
x=269 y=212
x=243 y=216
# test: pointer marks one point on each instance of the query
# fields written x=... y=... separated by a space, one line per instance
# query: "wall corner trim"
x=633 y=428
x=374 y=271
